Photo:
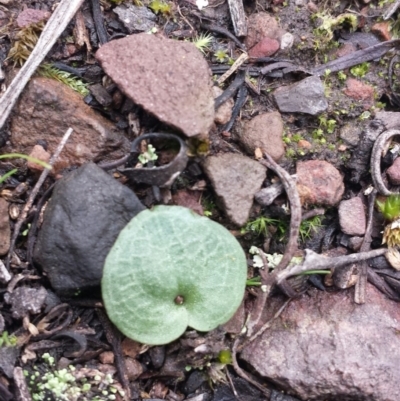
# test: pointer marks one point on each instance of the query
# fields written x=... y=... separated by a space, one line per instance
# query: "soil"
x=179 y=370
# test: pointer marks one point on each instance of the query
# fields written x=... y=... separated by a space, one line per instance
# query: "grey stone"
x=306 y=96
x=25 y=300
x=8 y=358
x=352 y=216
x=323 y=346
x=390 y=119
x=177 y=90
x=264 y=131
x=86 y=213
x=351 y=134
x=136 y=18
x=235 y=179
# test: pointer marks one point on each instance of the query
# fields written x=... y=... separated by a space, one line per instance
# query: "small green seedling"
x=169 y=269
x=390 y=209
x=203 y=41
x=7 y=340
x=161 y=7
x=359 y=70
x=149 y=155
x=221 y=55
x=260 y=226
x=48 y=71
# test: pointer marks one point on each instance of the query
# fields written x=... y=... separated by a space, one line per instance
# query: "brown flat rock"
x=325 y=347
x=169 y=79
x=264 y=131
x=235 y=179
x=47 y=109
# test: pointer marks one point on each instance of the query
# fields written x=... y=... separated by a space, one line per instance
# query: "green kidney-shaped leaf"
x=171 y=268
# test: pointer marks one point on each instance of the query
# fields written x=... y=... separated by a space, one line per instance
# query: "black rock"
x=86 y=213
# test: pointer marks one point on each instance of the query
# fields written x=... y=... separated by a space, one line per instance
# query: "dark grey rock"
x=8 y=358
x=235 y=179
x=306 y=96
x=2 y=324
x=135 y=18
x=87 y=211
x=157 y=356
x=325 y=347
x=25 y=300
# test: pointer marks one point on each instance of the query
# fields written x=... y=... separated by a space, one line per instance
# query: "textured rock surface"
x=325 y=347
x=136 y=18
x=318 y=182
x=358 y=90
x=5 y=230
x=393 y=172
x=259 y=26
x=39 y=153
x=264 y=48
x=352 y=216
x=87 y=211
x=351 y=134
x=264 y=131
x=306 y=96
x=24 y=300
x=235 y=179
x=390 y=119
x=47 y=109
x=177 y=90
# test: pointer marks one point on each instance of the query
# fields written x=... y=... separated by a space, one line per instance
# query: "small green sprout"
x=48 y=71
x=7 y=340
x=225 y=357
x=342 y=76
x=221 y=55
x=148 y=156
x=259 y=226
x=359 y=70
x=161 y=7
x=203 y=41
x=390 y=209
x=309 y=226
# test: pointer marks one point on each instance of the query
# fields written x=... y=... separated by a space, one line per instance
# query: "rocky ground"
x=313 y=85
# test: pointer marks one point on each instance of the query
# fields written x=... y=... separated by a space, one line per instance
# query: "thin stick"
x=53 y=29
x=34 y=193
x=376 y=156
x=238 y=17
x=361 y=285
x=241 y=59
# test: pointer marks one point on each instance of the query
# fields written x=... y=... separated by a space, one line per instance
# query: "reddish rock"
x=318 y=182
x=352 y=216
x=393 y=172
x=345 y=49
x=264 y=131
x=382 y=29
x=189 y=199
x=358 y=90
x=107 y=357
x=259 y=26
x=38 y=153
x=131 y=348
x=133 y=368
x=264 y=48
x=169 y=79
x=31 y=16
x=324 y=346
x=304 y=144
x=47 y=109
x=236 y=322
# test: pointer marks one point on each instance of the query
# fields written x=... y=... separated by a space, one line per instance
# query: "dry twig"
x=33 y=194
